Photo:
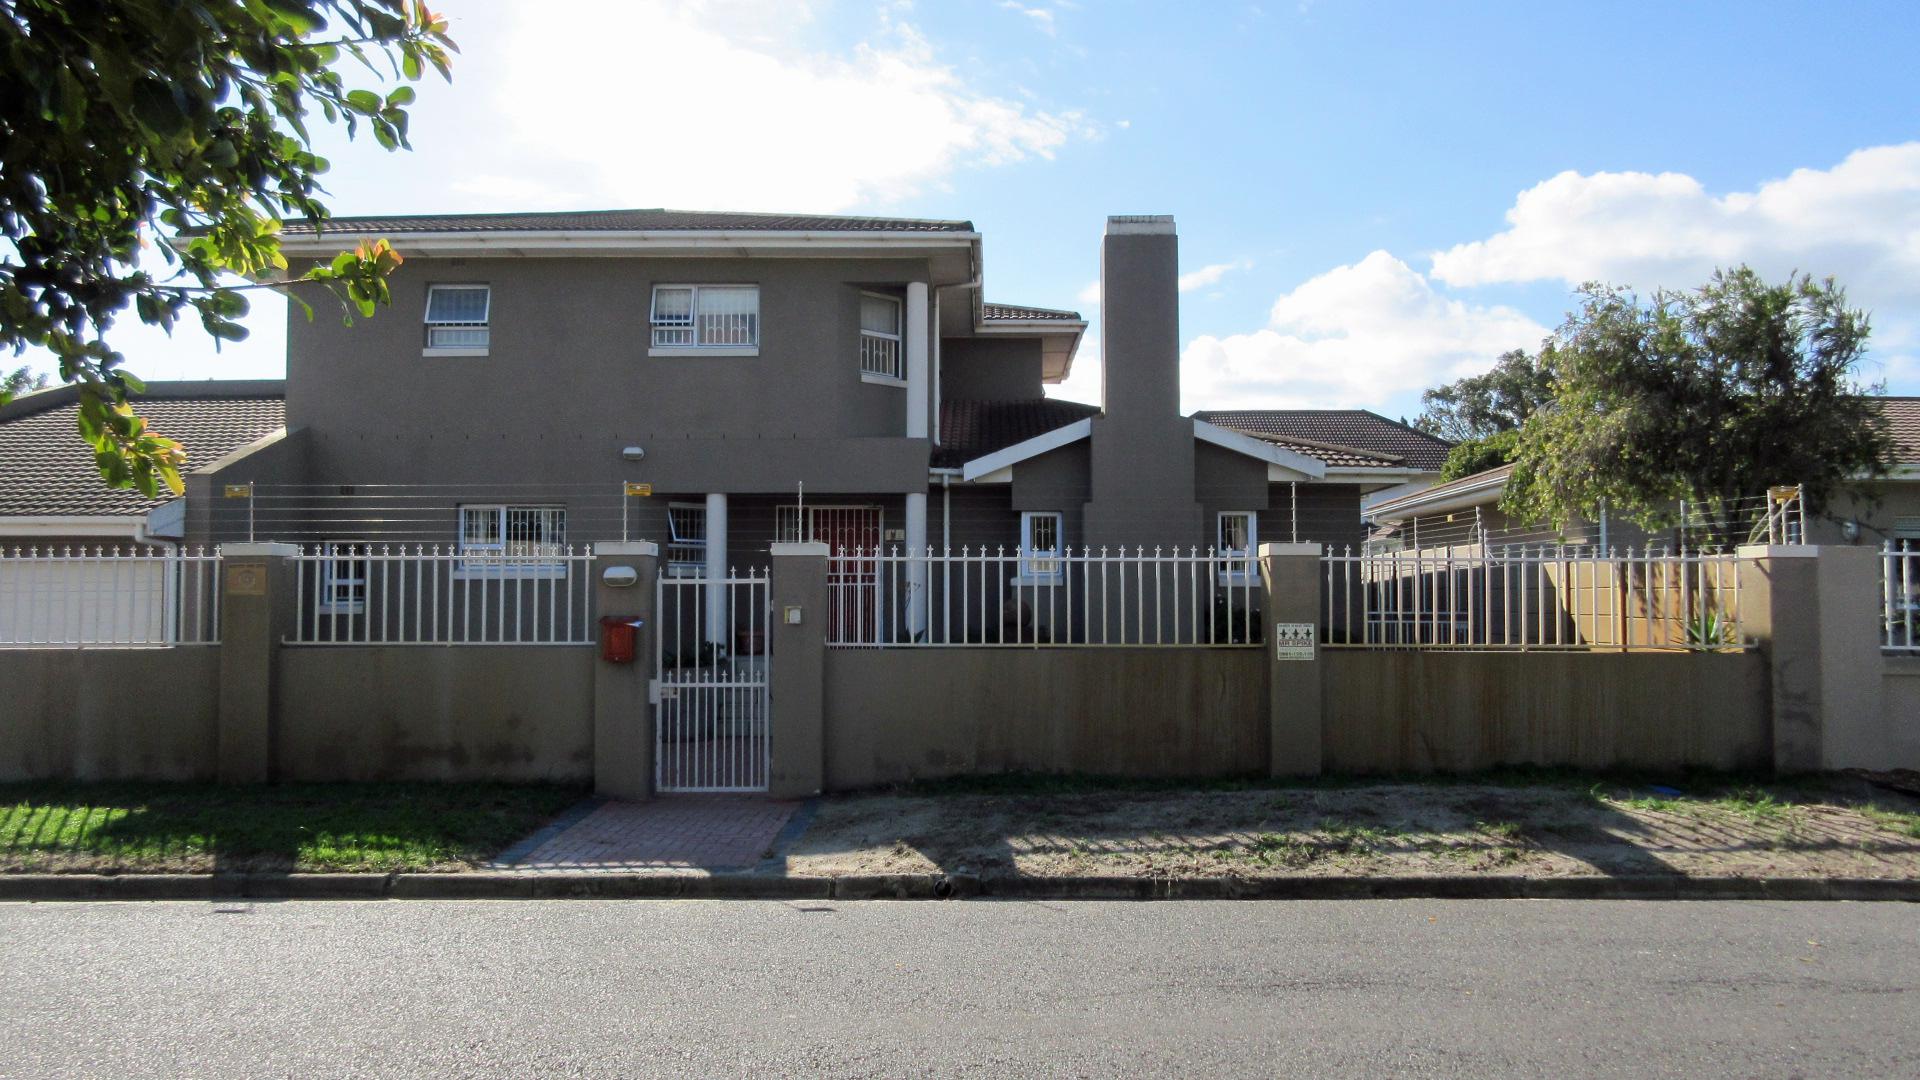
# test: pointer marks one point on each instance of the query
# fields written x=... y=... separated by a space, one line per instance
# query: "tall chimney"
x=1142 y=482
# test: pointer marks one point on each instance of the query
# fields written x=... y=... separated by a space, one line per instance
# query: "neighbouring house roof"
x=1903 y=417
x=1352 y=429
x=974 y=429
x=655 y=220
x=46 y=470
x=992 y=312
x=1481 y=487
x=1340 y=457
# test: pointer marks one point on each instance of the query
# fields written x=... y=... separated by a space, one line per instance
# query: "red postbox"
x=618 y=635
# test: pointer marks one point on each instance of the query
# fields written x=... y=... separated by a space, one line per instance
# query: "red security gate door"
x=853 y=586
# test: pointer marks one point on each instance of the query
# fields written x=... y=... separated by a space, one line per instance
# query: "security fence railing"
x=99 y=596
x=1537 y=598
x=1900 y=597
x=1055 y=598
x=427 y=594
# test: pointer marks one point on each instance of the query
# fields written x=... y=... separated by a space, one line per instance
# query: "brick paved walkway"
x=674 y=834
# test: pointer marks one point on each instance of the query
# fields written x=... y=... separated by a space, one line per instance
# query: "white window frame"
x=331 y=580
x=486 y=323
x=680 y=540
x=1236 y=564
x=898 y=339
x=692 y=326
x=477 y=563
x=1042 y=566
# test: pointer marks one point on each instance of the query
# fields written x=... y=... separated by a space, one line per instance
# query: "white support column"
x=917 y=564
x=717 y=568
x=917 y=365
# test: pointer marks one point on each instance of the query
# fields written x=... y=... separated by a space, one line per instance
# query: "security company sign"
x=1294 y=640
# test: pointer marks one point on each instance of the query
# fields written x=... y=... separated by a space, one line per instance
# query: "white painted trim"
x=431 y=351
x=1311 y=467
x=239 y=453
x=1431 y=502
x=980 y=467
x=1351 y=475
x=114 y=526
x=704 y=350
x=881 y=380
x=620 y=242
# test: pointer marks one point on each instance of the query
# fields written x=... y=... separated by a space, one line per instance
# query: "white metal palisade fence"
x=1130 y=597
x=1900 y=596
x=101 y=596
x=711 y=693
x=430 y=594
x=1532 y=598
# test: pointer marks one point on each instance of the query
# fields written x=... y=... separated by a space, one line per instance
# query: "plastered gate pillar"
x=622 y=716
x=1812 y=610
x=257 y=586
x=799 y=676
x=1290 y=580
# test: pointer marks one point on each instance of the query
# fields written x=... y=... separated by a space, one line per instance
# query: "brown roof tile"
x=625 y=221
x=971 y=429
x=1353 y=429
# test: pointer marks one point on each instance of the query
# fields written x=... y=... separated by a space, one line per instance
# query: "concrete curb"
x=524 y=885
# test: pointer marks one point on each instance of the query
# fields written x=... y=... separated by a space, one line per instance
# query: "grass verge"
x=70 y=827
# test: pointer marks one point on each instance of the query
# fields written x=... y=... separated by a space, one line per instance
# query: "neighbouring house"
x=1467 y=511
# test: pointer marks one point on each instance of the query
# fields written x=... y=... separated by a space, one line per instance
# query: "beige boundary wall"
x=109 y=714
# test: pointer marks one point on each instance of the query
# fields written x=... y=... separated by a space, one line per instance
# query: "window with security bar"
x=457 y=317
x=706 y=316
x=344 y=581
x=1237 y=539
x=514 y=537
x=686 y=539
x=880 y=336
x=1040 y=545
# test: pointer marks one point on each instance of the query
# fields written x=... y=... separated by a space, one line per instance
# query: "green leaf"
x=364 y=101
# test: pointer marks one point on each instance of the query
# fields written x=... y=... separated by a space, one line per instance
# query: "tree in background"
x=20 y=380
x=175 y=132
x=1708 y=395
x=1481 y=413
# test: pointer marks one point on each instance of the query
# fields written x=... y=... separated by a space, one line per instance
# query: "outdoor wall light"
x=633 y=453
x=1850 y=530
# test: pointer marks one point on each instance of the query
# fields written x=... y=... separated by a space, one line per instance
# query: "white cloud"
x=1357 y=335
x=674 y=105
x=1859 y=221
x=1211 y=274
x=1089 y=293
x=1041 y=17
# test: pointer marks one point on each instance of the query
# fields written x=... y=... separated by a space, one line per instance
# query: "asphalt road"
x=625 y=988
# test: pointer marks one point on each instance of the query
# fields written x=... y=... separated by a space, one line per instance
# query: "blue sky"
x=1371 y=197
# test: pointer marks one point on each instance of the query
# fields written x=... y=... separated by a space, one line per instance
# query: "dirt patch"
x=1399 y=829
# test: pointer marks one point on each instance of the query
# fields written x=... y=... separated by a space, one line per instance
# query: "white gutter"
x=103 y=526
x=1457 y=499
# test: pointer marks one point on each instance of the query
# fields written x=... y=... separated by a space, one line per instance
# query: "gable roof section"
x=1359 y=430
x=655 y=220
x=46 y=470
x=992 y=312
x=974 y=429
x=1903 y=418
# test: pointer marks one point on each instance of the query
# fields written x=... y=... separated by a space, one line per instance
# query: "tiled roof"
x=1903 y=416
x=46 y=469
x=971 y=429
x=626 y=221
x=1355 y=429
x=991 y=311
x=1340 y=457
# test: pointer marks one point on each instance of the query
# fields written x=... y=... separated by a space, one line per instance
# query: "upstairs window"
x=512 y=537
x=1040 y=546
x=1235 y=544
x=880 y=336
x=706 y=316
x=457 y=318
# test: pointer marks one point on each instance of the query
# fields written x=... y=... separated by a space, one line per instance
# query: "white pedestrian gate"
x=711 y=715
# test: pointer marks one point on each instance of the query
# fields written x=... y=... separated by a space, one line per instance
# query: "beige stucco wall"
x=902 y=714
x=1451 y=712
x=425 y=713
x=109 y=714
x=1900 y=713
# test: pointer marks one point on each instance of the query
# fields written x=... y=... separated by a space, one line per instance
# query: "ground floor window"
x=1040 y=545
x=1236 y=541
x=686 y=539
x=343 y=581
x=498 y=537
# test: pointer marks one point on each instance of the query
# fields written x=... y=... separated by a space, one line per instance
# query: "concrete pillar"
x=1812 y=612
x=1290 y=579
x=916 y=569
x=622 y=714
x=799 y=647
x=918 y=393
x=716 y=590
x=257 y=583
